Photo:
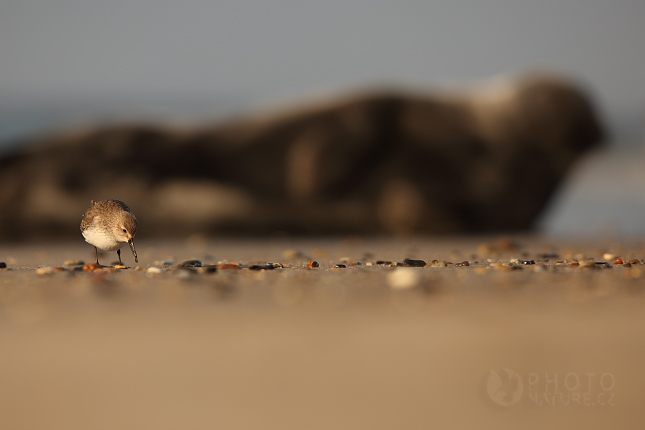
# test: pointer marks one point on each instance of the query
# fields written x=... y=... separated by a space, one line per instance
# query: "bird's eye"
x=124 y=231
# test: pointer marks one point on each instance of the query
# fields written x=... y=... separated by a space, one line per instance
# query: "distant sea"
x=603 y=196
x=22 y=120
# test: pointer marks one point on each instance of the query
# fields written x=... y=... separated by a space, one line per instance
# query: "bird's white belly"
x=96 y=237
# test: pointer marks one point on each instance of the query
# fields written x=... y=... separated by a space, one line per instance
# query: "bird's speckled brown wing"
x=93 y=213
x=88 y=217
x=113 y=205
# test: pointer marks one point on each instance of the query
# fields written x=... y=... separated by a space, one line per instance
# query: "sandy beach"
x=499 y=343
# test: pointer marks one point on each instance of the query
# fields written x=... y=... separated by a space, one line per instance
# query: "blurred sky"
x=74 y=51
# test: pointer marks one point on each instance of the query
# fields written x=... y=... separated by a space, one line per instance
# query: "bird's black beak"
x=134 y=251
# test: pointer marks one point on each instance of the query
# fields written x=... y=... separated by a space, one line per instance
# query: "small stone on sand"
x=190 y=263
x=228 y=266
x=91 y=267
x=73 y=263
x=153 y=271
x=403 y=278
x=45 y=270
x=414 y=263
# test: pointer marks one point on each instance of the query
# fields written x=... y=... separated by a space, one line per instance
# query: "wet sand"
x=491 y=345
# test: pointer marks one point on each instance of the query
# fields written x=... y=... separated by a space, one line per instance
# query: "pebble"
x=74 y=263
x=408 y=262
x=268 y=266
x=190 y=263
x=45 y=270
x=228 y=266
x=505 y=267
x=3 y=265
x=403 y=278
x=153 y=271
x=587 y=263
x=120 y=266
x=438 y=264
x=608 y=256
x=91 y=267
x=312 y=264
x=383 y=263
x=522 y=262
x=340 y=266
x=462 y=264
x=618 y=260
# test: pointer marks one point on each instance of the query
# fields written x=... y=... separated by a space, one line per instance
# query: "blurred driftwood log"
x=376 y=162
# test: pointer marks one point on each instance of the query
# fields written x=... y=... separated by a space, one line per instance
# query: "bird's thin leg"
x=118 y=252
x=96 y=253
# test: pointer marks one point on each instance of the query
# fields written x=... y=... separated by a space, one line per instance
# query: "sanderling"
x=109 y=225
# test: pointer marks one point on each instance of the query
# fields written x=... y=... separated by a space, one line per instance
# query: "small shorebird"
x=109 y=225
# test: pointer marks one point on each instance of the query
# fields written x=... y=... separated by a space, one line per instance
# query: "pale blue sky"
x=274 y=49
